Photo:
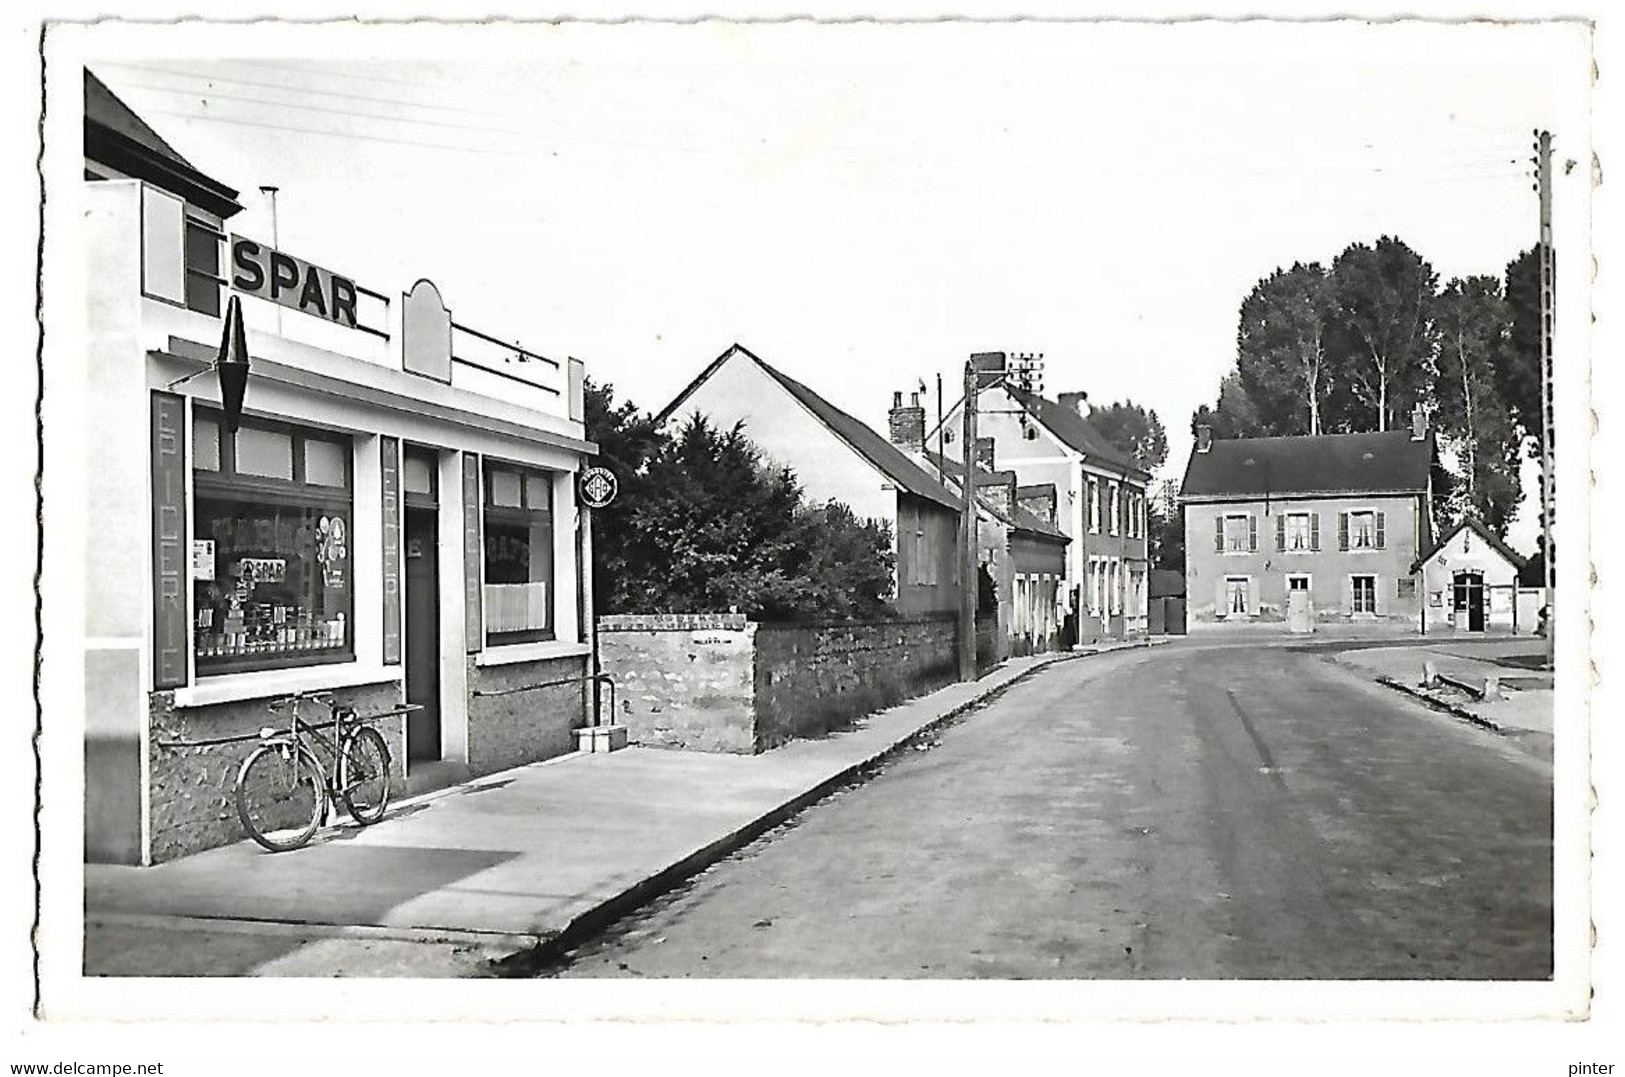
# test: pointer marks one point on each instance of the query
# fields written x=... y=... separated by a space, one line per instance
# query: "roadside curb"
x=1441 y=705
x=309 y=929
x=586 y=925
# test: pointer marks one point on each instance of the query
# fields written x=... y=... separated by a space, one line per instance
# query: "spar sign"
x=266 y=273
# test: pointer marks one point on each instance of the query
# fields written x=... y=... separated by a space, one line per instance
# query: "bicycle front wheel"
x=364 y=775
x=281 y=796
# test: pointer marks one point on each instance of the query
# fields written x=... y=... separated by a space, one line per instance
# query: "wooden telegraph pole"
x=1543 y=174
x=967 y=530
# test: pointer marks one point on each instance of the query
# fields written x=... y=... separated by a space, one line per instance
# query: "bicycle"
x=284 y=793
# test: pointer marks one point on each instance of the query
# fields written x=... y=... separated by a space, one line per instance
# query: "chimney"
x=1078 y=402
x=907 y=425
x=1204 y=438
x=984 y=454
x=997 y=492
x=1419 y=423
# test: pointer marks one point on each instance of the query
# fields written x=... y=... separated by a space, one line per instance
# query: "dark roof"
x=1076 y=431
x=117 y=137
x=885 y=457
x=1166 y=583
x=1482 y=531
x=1020 y=518
x=1251 y=468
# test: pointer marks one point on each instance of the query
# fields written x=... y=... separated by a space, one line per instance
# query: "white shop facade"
x=394 y=520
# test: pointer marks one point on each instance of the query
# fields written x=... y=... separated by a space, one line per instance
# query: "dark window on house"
x=1365 y=594
x=518 y=554
x=203 y=244
x=271 y=576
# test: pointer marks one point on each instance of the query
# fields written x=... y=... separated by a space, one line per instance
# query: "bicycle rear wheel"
x=281 y=796
x=364 y=775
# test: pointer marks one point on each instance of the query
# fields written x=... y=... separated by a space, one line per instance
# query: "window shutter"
x=1382 y=523
x=1342 y=531
x=1280 y=533
x=1252 y=533
x=1218 y=534
x=1314 y=531
x=1221 y=600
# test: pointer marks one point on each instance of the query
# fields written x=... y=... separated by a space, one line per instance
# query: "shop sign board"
x=270 y=274
x=598 y=487
x=390 y=472
x=171 y=631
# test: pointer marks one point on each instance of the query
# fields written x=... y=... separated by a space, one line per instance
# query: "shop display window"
x=518 y=595
x=271 y=566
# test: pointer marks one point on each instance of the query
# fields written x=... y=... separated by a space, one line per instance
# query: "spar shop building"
x=394 y=518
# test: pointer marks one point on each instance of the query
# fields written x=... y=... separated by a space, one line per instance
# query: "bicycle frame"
x=301 y=733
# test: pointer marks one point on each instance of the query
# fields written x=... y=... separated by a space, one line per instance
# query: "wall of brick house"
x=507 y=728
x=1329 y=569
x=191 y=789
x=683 y=680
x=811 y=679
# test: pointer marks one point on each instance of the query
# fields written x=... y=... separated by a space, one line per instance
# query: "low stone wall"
x=683 y=680
x=720 y=683
x=191 y=789
x=811 y=679
x=508 y=728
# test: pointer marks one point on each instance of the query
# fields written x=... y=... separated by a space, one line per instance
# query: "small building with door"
x=391 y=516
x=1470 y=582
x=1331 y=525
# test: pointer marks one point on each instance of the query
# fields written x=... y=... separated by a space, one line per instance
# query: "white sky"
x=865 y=206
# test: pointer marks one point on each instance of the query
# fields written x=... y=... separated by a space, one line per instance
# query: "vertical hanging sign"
x=170 y=631
x=390 y=473
x=473 y=553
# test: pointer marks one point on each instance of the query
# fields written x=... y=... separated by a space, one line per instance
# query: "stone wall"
x=683 y=680
x=719 y=683
x=811 y=679
x=191 y=789
x=507 y=728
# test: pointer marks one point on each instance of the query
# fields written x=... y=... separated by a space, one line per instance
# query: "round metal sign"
x=598 y=487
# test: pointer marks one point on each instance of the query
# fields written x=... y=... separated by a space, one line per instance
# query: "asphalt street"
x=1191 y=812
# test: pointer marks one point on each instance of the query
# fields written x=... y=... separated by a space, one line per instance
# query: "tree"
x=1133 y=430
x=1235 y=416
x=1472 y=323
x=1520 y=364
x=626 y=438
x=1281 y=348
x=703 y=524
x=1165 y=529
x=1383 y=294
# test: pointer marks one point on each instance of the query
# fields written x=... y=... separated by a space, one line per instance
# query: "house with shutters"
x=1340 y=519
x=1067 y=472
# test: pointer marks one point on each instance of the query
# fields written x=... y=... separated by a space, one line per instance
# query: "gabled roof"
x=1020 y=518
x=1075 y=431
x=1514 y=558
x=881 y=454
x=1252 y=468
x=117 y=137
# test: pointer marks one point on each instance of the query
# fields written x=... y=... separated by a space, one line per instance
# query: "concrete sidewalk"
x=454 y=880
x=1525 y=714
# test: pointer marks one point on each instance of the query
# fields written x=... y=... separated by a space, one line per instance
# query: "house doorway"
x=1469 y=601
x=422 y=605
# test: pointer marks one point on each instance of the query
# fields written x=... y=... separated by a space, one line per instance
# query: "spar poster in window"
x=331 y=552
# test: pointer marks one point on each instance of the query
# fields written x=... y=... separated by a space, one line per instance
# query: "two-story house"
x=1097 y=496
x=1341 y=518
x=837 y=458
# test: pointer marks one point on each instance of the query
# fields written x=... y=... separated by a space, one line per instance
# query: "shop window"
x=418 y=473
x=271 y=568
x=518 y=554
x=205 y=443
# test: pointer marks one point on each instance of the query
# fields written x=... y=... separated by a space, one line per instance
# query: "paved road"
x=1206 y=812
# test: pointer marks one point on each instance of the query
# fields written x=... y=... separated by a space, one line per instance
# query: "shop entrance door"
x=422 y=635
x=1469 y=596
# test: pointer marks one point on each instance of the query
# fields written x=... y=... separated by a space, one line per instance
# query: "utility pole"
x=1543 y=174
x=968 y=582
